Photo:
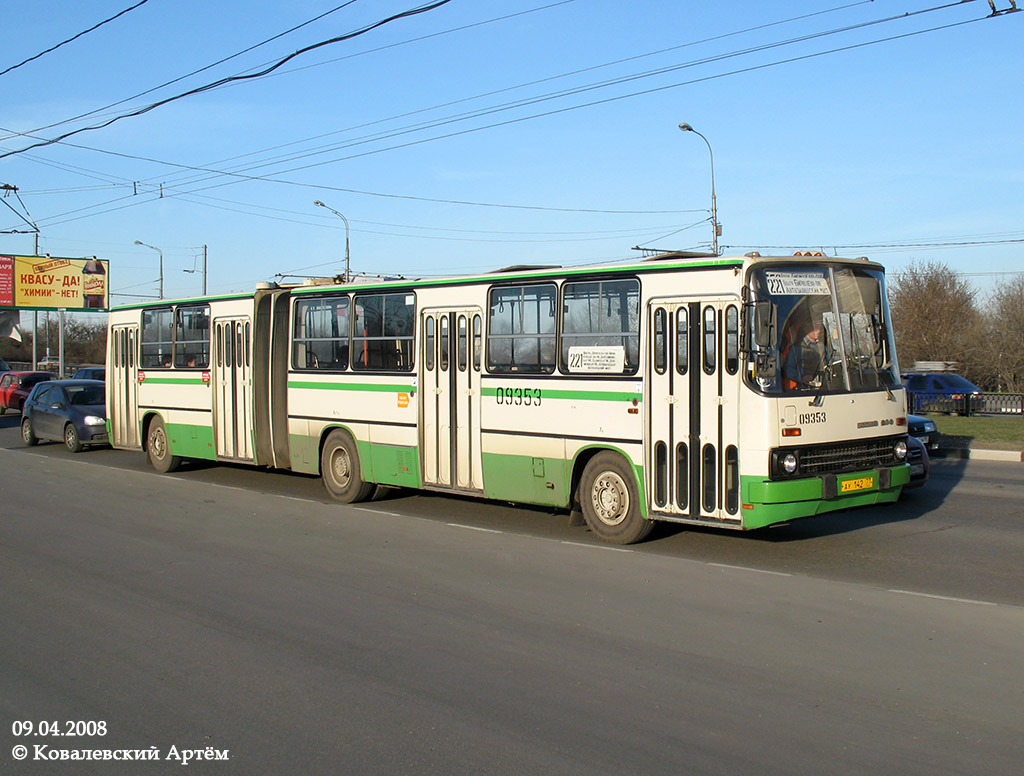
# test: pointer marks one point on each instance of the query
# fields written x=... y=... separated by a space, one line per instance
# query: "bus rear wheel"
x=159 y=449
x=340 y=470
x=610 y=501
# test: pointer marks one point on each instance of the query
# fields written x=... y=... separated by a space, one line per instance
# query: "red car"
x=16 y=386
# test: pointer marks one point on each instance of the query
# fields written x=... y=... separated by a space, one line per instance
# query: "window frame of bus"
x=407 y=336
x=151 y=351
x=184 y=348
x=340 y=345
x=564 y=337
x=542 y=367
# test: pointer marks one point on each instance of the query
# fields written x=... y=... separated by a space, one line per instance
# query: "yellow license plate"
x=861 y=483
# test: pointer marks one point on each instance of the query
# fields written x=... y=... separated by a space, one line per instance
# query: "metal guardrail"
x=967 y=404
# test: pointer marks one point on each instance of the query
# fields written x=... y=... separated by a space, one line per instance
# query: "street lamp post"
x=318 y=203
x=153 y=247
x=193 y=271
x=716 y=228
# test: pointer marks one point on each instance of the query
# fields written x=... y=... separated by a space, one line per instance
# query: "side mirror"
x=764 y=324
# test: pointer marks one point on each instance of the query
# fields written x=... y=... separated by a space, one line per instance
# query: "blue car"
x=942 y=392
x=70 y=411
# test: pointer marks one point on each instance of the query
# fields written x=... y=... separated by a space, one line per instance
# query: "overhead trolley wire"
x=229 y=79
x=73 y=38
x=506 y=106
x=526 y=102
x=187 y=75
x=239 y=177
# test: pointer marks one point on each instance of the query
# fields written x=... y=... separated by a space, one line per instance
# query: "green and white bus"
x=659 y=389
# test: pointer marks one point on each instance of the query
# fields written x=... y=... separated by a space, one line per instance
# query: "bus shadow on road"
x=914 y=504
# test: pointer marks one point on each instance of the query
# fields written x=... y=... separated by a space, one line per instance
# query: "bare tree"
x=1005 y=323
x=936 y=318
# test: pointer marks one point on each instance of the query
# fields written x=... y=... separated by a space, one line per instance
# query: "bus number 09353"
x=519 y=397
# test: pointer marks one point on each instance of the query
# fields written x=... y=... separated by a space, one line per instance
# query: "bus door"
x=450 y=398
x=232 y=388
x=692 y=409
x=123 y=379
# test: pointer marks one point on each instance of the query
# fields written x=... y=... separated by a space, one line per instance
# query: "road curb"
x=1013 y=456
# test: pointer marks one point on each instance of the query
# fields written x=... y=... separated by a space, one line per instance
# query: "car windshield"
x=85 y=395
x=821 y=329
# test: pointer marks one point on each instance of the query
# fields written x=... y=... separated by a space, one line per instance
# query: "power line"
x=230 y=79
x=214 y=172
x=240 y=171
x=239 y=176
x=73 y=37
x=539 y=98
x=189 y=75
x=526 y=84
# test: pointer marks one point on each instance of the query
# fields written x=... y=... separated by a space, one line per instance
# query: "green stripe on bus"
x=548 y=393
x=375 y=387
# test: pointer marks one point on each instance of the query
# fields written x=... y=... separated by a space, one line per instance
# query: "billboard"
x=52 y=283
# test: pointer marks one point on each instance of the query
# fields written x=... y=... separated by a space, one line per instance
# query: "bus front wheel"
x=610 y=501
x=339 y=467
x=159 y=449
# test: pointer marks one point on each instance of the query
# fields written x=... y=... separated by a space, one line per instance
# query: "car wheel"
x=339 y=467
x=71 y=440
x=610 y=501
x=159 y=449
x=27 y=434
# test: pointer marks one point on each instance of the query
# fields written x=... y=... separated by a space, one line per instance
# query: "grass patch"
x=998 y=433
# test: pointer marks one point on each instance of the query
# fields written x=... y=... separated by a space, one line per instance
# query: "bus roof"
x=662 y=262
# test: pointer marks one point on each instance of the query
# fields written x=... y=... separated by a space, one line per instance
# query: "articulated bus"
x=661 y=389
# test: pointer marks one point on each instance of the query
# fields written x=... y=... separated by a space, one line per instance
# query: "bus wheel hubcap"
x=610 y=498
x=340 y=467
x=156 y=441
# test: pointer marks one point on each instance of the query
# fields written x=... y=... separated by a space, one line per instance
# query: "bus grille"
x=847 y=456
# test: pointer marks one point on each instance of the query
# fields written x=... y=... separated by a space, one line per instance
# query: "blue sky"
x=901 y=150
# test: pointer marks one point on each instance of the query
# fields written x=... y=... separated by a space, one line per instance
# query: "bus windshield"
x=820 y=330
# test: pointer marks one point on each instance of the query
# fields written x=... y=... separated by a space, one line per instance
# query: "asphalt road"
x=238 y=610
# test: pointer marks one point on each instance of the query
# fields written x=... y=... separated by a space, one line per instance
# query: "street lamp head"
x=318 y=203
x=139 y=242
x=686 y=127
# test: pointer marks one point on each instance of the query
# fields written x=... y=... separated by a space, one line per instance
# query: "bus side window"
x=463 y=343
x=477 y=342
x=157 y=337
x=660 y=341
x=682 y=341
x=521 y=329
x=732 y=339
x=429 y=344
x=710 y=340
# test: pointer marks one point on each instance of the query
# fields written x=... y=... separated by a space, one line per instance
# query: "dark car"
x=917 y=457
x=69 y=411
x=90 y=373
x=941 y=392
x=925 y=430
x=16 y=386
x=4 y=366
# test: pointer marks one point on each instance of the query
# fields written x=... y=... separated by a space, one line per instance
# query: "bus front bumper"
x=766 y=502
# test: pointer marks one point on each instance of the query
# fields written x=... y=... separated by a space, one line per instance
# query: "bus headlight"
x=789 y=463
x=900 y=450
